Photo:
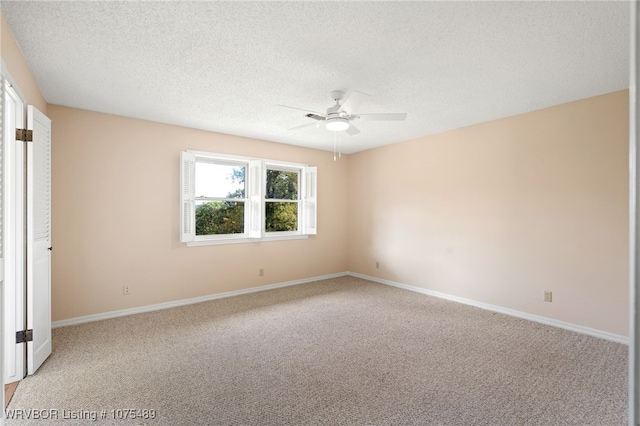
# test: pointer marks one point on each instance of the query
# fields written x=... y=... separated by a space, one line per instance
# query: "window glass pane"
x=282 y=185
x=219 y=217
x=219 y=180
x=281 y=216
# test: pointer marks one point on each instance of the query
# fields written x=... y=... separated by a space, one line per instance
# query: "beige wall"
x=501 y=211
x=116 y=215
x=18 y=67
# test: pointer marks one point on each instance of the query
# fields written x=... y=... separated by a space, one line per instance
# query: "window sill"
x=246 y=240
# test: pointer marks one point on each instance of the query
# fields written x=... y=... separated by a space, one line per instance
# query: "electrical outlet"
x=126 y=289
x=377 y=265
x=548 y=296
x=261 y=272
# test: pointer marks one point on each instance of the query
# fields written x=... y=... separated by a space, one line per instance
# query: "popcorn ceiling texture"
x=224 y=66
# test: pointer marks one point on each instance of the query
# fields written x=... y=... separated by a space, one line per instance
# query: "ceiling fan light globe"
x=337 y=124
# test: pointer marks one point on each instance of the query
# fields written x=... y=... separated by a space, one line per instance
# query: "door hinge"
x=24 y=135
x=24 y=336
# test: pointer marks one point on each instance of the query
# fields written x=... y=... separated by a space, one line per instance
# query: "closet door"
x=38 y=239
x=13 y=182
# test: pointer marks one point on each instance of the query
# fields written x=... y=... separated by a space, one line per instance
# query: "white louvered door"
x=2 y=179
x=38 y=239
x=13 y=216
x=2 y=225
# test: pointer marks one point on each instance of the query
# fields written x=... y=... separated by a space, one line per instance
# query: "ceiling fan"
x=341 y=116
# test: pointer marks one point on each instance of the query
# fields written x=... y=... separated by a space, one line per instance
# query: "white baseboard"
x=182 y=302
x=512 y=312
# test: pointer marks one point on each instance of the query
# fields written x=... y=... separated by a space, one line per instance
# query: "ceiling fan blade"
x=300 y=109
x=305 y=125
x=352 y=101
x=316 y=117
x=352 y=130
x=399 y=116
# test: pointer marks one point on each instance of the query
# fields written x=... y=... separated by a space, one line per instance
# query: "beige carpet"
x=338 y=352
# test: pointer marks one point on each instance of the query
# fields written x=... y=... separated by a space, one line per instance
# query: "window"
x=219 y=197
x=281 y=200
x=229 y=199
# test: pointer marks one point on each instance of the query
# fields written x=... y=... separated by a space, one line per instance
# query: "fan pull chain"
x=337 y=147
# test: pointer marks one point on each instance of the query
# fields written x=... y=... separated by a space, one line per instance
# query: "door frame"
x=634 y=221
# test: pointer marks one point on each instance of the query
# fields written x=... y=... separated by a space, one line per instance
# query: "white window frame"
x=255 y=181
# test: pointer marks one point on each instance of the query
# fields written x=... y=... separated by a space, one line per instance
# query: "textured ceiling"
x=224 y=66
